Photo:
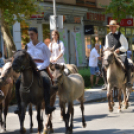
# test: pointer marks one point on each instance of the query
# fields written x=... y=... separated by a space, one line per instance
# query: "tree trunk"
x=7 y=36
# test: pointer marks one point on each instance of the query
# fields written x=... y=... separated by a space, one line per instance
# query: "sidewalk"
x=91 y=95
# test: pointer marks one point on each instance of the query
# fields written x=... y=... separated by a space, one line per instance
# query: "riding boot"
x=17 y=86
x=48 y=108
x=128 y=74
x=104 y=87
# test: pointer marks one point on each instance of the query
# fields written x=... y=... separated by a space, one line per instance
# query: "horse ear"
x=52 y=66
x=113 y=48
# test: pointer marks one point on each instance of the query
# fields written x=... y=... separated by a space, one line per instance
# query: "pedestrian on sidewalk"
x=93 y=64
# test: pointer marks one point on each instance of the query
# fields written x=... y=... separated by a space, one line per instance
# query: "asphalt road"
x=99 y=120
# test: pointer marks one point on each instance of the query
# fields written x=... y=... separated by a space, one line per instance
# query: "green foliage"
x=18 y=10
x=120 y=9
x=86 y=76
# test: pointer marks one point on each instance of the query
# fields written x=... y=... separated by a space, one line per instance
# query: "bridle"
x=107 y=59
x=27 y=89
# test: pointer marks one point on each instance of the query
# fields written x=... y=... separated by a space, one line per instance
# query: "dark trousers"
x=46 y=85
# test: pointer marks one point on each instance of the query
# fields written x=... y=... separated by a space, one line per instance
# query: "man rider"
x=41 y=55
x=119 y=42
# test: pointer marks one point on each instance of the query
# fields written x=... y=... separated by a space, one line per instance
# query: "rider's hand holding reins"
x=117 y=51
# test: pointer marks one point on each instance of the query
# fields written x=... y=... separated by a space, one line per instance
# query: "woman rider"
x=41 y=55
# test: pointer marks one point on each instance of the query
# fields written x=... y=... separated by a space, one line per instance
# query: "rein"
x=27 y=89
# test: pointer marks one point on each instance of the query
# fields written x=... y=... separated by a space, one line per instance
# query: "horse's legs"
x=83 y=118
x=39 y=119
x=62 y=106
x=124 y=97
x=1 y=121
x=109 y=94
x=49 y=120
x=119 y=98
x=112 y=100
x=22 y=117
x=5 y=113
x=72 y=116
x=31 y=120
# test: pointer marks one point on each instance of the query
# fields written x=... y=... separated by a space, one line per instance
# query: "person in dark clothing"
x=41 y=55
x=119 y=42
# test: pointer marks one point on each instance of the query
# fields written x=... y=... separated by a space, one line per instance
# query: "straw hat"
x=113 y=23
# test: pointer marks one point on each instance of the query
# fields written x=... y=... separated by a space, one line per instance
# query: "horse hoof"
x=110 y=110
x=84 y=125
x=51 y=130
x=113 y=104
x=23 y=131
x=46 y=131
x=31 y=130
x=3 y=130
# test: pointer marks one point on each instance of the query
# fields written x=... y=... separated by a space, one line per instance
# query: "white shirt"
x=123 y=42
x=93 y=59
x=57 y=49
x=41 y=52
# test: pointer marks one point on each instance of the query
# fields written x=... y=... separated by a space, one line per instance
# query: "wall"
x=72 y=2
x=102 y=2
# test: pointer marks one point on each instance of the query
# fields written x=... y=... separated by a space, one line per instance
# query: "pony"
x=115 y=77
x=70 y=88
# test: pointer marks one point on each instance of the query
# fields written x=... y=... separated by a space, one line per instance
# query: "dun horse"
x=69 y=69
x=70 y=88
x=115 y=77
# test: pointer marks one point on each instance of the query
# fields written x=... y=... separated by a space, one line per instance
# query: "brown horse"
x=6 y=86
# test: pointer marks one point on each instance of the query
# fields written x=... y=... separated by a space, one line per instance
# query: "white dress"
x=57 y=49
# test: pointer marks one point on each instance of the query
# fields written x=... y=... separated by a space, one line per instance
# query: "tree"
x=12 y=11
x=120 y=9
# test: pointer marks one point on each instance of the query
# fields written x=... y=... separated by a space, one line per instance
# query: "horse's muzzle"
x=16 y=67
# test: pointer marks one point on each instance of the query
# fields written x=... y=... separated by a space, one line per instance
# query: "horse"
x=31 y=88
x=6 y=86
x=70 y=88
x=69 y=69
x=115 y=77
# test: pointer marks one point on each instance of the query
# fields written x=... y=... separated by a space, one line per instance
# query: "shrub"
x=85 y=72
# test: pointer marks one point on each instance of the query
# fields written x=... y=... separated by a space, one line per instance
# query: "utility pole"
x=54 y=12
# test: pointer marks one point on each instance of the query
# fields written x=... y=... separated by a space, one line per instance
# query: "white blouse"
x=57 y=49
x=41 y=52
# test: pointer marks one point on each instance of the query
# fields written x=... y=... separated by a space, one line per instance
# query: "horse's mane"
x=119 y=62
x=33 y=65
x=117 y=59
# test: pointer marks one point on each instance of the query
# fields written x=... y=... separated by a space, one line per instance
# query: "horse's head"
x=57 y=73
x=108 y=56
x=6 y=74
x=21 y=61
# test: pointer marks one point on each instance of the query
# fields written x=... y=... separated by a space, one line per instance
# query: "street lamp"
x=54 y=12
